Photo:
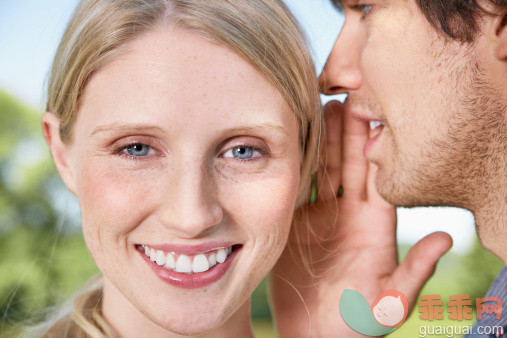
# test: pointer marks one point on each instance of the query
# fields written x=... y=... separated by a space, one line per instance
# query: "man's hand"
x=349 y=241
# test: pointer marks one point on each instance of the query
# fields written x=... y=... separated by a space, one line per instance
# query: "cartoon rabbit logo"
x=386 y=314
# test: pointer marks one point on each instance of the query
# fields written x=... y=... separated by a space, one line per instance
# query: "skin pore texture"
x=190 y=105
x=444 y=106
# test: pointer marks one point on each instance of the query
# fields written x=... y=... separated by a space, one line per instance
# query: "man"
x=430 y=78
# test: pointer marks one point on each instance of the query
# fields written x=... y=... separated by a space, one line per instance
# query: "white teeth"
x=200 y=263
x=160 y=257
x=187 y=264
x=153 y=255
x=221 y=255
x=170 y=263
x=212 y=259
x=375 y=124
x=183 y=264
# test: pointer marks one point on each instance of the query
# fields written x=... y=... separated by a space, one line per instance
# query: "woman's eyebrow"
x=256 y=128
x=126 y=126
x=141 y=127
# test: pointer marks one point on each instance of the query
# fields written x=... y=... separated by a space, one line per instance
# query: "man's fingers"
x=354 y=165
x=329 y=173
x=419 y=265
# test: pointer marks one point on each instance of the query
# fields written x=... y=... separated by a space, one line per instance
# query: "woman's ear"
x=59 y=150
x=500 y=31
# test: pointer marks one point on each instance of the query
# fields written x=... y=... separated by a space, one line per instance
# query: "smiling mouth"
x=187 y=264
x=190 y=267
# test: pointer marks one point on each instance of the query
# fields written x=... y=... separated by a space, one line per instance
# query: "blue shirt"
x=498 y=289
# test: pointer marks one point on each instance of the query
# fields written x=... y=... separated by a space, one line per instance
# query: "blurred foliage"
x=470 y=274
x=29 y=224
x=42 y=263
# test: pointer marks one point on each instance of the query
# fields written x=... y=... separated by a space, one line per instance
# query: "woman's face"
x=181 y=152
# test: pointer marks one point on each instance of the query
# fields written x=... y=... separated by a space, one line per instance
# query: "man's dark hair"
x=457 y=18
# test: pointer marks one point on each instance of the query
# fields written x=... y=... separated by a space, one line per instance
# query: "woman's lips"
x=191 y=249
x=168 y=270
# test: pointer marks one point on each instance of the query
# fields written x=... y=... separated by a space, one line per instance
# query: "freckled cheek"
x=264 y=208
x=112 y=204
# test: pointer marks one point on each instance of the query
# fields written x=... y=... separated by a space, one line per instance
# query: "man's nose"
x=341 y=72
x=190 y=207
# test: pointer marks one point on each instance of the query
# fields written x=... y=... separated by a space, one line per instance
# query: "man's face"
x=441 y=104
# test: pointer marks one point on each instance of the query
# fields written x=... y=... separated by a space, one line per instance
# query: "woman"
x=188 y=131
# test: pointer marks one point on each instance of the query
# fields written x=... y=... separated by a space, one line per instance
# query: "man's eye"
x=242 y=153
x=137 y=150
x=363 y=9
x=366 y=8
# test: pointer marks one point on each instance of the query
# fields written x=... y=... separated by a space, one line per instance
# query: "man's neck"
x=491 y=223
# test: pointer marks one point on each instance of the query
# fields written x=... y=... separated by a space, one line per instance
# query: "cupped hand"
x=344 y=242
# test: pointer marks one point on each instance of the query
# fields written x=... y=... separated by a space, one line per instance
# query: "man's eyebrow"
x=125 y=126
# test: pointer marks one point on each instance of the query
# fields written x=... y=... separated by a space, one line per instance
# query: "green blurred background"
x=43 y=259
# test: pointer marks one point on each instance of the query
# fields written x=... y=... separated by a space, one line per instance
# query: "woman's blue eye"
x=242 y=153
x=138 y=150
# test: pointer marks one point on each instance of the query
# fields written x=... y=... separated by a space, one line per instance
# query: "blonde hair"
x=263 y=32
x=81 y=317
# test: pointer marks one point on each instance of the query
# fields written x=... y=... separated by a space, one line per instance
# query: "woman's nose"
x=341 y=72
x=190 y=207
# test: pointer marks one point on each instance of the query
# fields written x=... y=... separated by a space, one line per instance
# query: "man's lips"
x=375 y=123
x=374 y=136
x=364 y=117
x=376 y=126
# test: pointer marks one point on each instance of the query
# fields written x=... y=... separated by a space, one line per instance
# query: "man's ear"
x=59 y=150
x=500 y=35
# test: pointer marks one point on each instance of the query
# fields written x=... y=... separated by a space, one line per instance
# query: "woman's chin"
x=190 y=325
x=191 y=329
